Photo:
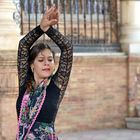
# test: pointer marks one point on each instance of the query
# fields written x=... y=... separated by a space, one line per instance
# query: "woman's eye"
x=41 y=60
x=50 y=60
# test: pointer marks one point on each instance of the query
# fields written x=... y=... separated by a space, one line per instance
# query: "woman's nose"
x=46 y=62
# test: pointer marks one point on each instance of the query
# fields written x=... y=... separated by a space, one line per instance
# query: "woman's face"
x=43 y=65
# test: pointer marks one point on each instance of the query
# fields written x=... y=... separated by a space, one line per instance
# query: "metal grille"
x=85 y=22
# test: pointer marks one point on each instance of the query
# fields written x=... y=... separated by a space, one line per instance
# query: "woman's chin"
x=46 y=76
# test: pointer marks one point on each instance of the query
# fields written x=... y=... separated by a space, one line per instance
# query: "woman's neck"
x=38 y=81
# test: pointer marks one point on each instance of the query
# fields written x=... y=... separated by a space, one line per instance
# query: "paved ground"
x=109 y=134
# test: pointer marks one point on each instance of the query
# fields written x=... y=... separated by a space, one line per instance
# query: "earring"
x=53 y=72
x=32 y=70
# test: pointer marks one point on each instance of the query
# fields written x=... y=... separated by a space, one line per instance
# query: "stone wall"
x=8 y=94
x=96 y=96
x=133 y=84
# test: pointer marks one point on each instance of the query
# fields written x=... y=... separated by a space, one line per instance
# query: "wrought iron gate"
x=88 y=23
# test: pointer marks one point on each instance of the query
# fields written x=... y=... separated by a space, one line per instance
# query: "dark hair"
x=33 y=53
x=36 y=49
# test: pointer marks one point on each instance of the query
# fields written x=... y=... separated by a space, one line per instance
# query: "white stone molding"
x=16 y=14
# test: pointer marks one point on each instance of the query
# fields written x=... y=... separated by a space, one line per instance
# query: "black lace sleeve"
x=23 y=54
x=62 y=74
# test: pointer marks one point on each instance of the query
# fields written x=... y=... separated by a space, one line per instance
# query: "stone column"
x=8 y=94
x=130 y=23
x=9 y=30
x=9 y=37
x=130 y=40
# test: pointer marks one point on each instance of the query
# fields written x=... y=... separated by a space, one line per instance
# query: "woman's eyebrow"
x=40 y=56
x=50 y=56
x=44 y=56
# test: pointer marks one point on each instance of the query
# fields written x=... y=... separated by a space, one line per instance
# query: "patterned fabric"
x=61 y=76
x=42 y=131
x=29 y=105
x=23 y=55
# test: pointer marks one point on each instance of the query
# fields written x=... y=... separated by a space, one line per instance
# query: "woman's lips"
x=46 y=69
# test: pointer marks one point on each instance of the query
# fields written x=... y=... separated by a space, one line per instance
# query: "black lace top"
x=56 y=89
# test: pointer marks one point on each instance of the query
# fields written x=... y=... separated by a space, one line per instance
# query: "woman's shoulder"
x=52 y=87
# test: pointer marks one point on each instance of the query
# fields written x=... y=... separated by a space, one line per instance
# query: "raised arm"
x=29 y=39
x=23 y=53
x=61 y=76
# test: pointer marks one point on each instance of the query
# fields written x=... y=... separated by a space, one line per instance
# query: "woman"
x=40 y=90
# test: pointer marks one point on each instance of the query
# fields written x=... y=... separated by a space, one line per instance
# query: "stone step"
x=133 y=122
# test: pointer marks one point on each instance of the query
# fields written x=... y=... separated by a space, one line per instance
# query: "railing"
x=85 y=22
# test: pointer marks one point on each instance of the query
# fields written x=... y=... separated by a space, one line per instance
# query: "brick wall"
x=97 y=94
x=96 y=97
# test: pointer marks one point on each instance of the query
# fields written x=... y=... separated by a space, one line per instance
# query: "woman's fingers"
x=54 y=15
x=53 y=22
x=50 y=11
x=49 y=18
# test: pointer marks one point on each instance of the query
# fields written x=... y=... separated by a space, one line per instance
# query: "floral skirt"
x=42 y=131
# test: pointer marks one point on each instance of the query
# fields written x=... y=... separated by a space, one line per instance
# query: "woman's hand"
x=49 y=18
